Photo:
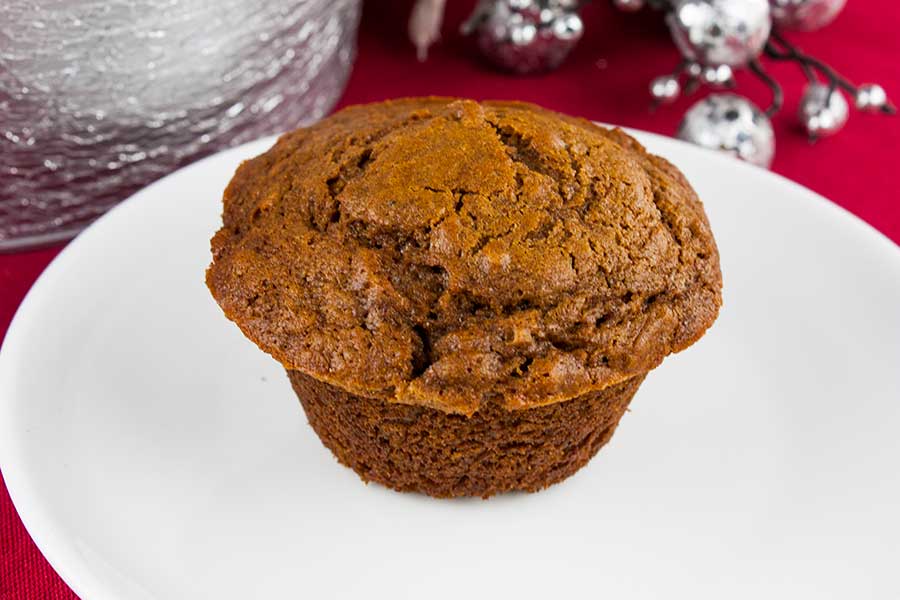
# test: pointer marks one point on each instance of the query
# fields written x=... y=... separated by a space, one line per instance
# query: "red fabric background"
x=604 y=79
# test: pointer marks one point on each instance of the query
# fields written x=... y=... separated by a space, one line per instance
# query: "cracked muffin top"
x=444 y=252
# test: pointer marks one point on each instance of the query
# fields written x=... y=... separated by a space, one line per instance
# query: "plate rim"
x=40 y=522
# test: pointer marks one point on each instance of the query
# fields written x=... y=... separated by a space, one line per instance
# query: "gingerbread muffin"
x=465 y=296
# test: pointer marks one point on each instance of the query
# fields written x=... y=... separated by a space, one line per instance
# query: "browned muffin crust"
x=436 y=252
x=420 y=449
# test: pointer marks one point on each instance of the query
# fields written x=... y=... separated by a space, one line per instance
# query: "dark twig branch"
x=790 y=52
x=774 y=86
x=787 y=52
x=778 y=48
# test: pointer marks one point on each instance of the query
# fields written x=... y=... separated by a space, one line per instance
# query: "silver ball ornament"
x=665 y=89
x=870 y=97
x=567 y=27
x=629 y=5
x=822 y=111
x=720 y=32
x=720 y=76
x=732 y=124
x=521 y=33
x=805 y=15
x=526 y=36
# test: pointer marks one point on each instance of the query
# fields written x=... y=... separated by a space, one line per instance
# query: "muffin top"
x=444 y=252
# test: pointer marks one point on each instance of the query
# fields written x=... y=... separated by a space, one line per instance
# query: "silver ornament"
x=805 y=15
x=720 y=76
x=665 y=89
x=732 y=124
x=720 y=32
x=822 y=111
x=567 y=27
x=871 y=97
x=525 y=36
x=629 y=5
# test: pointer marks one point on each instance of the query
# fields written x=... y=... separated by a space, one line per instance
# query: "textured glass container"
x=99 y=98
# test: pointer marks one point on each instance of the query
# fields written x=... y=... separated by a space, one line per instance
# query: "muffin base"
x=420 y=449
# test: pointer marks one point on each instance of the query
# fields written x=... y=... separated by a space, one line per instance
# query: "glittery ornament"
x=567 y=27
x=822 y=111
x=629 y=5
x=720 y=32
x=719 y=76
x=525 y=36
x=665 y=89
x=805 y=15
x=871 y=97
x=732 y=124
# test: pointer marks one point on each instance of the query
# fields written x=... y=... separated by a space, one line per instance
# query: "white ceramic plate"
x=153 y=452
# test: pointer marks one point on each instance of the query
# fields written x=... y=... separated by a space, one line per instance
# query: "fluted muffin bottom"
x=419 y=449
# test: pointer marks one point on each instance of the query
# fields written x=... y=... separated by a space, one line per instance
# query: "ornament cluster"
x=525 y=36
x=715 y=38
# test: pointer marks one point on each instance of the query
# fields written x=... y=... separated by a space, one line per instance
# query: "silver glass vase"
x=98 y=98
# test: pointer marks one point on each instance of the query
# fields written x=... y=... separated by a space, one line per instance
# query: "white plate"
x=153 y=452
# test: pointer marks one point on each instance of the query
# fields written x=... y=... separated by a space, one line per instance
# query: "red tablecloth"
x=605 y=79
